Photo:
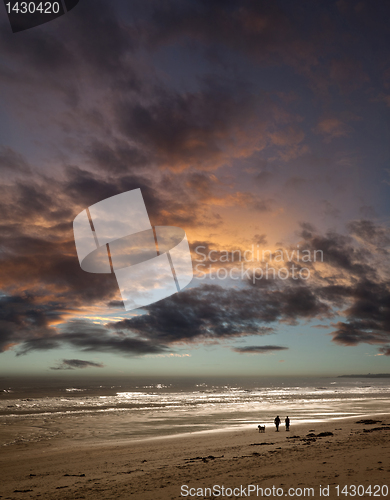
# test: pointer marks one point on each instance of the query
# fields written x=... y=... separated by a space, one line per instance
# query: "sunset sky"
x=249 y=124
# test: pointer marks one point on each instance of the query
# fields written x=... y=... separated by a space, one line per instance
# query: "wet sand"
x=306 y=457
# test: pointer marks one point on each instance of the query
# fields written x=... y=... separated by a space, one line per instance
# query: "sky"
x=255 y=126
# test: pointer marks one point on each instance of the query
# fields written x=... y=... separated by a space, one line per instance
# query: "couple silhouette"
x=277 y=423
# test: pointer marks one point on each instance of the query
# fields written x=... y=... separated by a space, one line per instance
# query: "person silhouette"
x=277 y=422
x=287 y=422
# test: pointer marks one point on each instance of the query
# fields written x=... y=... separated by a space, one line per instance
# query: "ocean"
x=117 y=410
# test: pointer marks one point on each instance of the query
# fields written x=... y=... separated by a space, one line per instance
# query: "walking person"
x=287 y=422
x=277 y=422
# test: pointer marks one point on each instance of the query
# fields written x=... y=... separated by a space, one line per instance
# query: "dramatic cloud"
x=71 y=364
x=89 y=337
x=22 y=318
x=358 y=279
x=341 y=281
x=368 y=316
x=236 y=120
x=206 y=129
x=259 y=349
x=214 y=312
x=202 y=312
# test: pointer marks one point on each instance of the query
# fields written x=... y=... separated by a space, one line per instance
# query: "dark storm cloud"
x=112 y=343
x=85 y=188
x=33 y=202
x=210 y=311
x=197 y=129
x=97 y=46
x=340 y=251
x=69 y=55
x=357 y=281
x=117 y=158
x=205 y=312
x=41 y=280
x=368 y=315
x=38 y=254
x=162 y=125
x=121 y=118
x=203 y=125
x=169 y=201
x=179 y=199
x=22 y=318
x=259 y=349
x=299 y=303
x=89 y=337
x=71 y=364
x=50 y=270
x=356 y=332
x=115 y=304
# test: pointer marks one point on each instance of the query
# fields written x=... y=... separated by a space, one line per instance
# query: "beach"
x=319 y=456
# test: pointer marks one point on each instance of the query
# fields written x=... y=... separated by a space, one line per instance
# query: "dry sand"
x=356 y=454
